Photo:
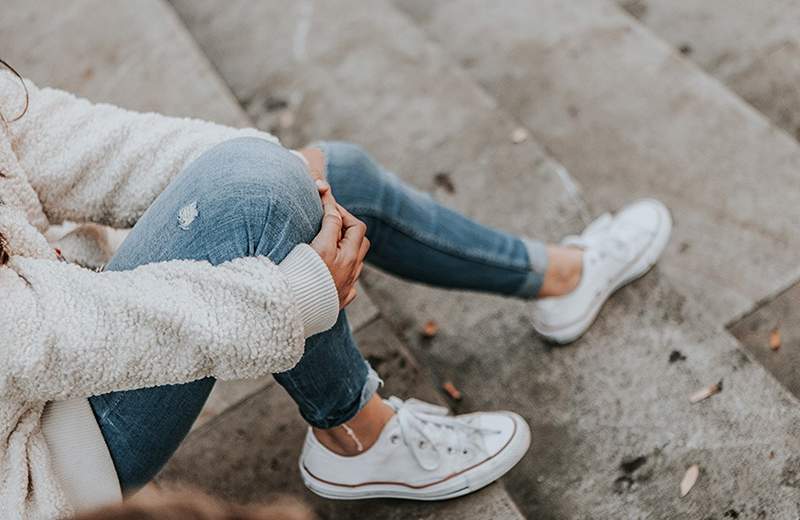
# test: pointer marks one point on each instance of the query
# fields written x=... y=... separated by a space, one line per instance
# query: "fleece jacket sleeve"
x=71 y=332
x=101 y=163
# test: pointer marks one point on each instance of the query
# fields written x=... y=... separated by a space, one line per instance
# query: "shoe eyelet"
x=421 y=445
x=465 y=452
x=394 y=439
x=449 y=450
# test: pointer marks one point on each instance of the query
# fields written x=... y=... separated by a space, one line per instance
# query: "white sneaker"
x=421 y=454
x=617 y=251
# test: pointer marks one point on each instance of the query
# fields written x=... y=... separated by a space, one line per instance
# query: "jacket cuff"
x=314 y=291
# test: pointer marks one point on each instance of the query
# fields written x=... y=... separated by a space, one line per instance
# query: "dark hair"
x=24 y=88
x=4 y=121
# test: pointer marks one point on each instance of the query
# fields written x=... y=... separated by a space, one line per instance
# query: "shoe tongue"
x=601 y=223
x=585 y=239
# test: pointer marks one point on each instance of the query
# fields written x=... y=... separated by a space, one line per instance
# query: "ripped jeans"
x=255 y=198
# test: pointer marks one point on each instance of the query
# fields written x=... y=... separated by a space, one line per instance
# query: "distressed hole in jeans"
x=186 y=215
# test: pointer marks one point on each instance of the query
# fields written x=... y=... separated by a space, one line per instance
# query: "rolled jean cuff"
x=371 y=386
x=537 y=260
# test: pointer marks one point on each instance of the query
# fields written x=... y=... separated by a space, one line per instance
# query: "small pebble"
x=519 y=135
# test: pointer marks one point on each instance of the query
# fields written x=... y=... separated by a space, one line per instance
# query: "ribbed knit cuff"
x=79 y=455
x=313 y=288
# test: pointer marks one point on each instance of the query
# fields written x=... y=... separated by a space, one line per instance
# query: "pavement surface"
x=608 y=111
x=751 y=47
x=630 y=117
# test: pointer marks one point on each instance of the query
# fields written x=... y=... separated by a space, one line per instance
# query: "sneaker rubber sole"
x=467 y=481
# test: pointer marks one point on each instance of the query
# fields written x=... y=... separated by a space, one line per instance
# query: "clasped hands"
x=342 y=242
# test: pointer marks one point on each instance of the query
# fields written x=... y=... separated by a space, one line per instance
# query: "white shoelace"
x=420 y=421
x=596 y=237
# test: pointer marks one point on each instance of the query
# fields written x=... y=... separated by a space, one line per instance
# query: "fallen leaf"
x=430 y=329
x=689 y=479
x=775 y=339
x=706 y=392
x=443 y=180
x=771 y=455
x=272 y=104
x=519 y=135
x=451 y=390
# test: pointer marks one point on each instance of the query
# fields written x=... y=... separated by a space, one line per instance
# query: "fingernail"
x=321 y=184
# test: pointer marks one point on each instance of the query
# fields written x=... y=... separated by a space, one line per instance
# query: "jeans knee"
x=262 y=186
x=355 y=177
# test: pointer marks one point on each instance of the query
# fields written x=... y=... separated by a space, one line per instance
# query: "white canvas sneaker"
x=617 y=251
x=421 y=454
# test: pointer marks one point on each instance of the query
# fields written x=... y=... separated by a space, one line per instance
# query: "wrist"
x=314 y=289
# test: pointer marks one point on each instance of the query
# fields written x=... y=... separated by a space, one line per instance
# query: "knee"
x=252 y=182
x=355 y=177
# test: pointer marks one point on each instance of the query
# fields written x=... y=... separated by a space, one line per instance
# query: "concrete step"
x=262 y=437
x=629 y=117
x=753 y=47
x=125 y=57
x=613 y=429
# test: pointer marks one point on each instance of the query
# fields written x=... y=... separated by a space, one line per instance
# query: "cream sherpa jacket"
x=69 y=333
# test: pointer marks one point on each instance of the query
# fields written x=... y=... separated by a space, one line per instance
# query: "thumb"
x=331 y=229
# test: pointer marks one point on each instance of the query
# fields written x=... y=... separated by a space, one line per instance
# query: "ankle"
x=359 y=433
x=564 y=271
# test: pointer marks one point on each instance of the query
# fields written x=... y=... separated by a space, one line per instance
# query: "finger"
x=331 y=221
x=316 y=162
x=355 y=232
x=350 y=297
x=362 y=253
x=358 y=272
x=322 y=186
x=348 y=220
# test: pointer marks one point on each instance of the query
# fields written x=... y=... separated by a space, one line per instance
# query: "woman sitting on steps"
x=242 y=257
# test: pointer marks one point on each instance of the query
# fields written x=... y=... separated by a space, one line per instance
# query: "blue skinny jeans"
x=256 y=198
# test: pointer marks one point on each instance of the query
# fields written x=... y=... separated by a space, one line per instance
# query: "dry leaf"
x=519 y=135
x=689 y=479
x=452 y=391
x=430 y=329
x=443 y=180
x=771 y=455
x=706 y=392
x=775 y=339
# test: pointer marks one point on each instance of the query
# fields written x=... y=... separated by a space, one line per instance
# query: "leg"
x=405 y=226
x=414 y=237
x=253 y=198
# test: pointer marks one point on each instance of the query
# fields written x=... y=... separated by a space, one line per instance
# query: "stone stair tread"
x=133 y=54
x=628 y=117
x=365 y=73
x=249 y=473
x=756 y=329
x=753 y=48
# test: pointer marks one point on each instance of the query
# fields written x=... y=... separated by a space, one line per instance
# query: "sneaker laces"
x=603 y=236
x=428 y=422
